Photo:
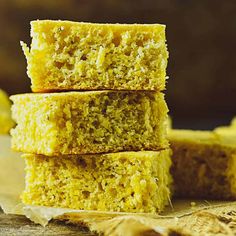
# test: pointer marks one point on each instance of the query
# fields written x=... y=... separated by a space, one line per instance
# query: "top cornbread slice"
x=89 y=122
x=204 y=164
x=68 y=55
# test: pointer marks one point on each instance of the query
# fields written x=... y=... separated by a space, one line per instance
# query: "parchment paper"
x=182 y=217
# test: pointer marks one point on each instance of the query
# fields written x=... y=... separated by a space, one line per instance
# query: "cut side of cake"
x=123 y=182
x=89 y=122
x=68 y=55
x=204 y=164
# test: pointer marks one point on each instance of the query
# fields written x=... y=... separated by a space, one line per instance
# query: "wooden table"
x=20 y=225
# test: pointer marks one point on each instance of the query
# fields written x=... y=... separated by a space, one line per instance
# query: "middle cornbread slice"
x=89 y=122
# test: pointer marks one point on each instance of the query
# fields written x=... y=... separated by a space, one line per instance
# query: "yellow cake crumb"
x=89 y=122
x=123 y=182
x=204 y=164
x=67 y=55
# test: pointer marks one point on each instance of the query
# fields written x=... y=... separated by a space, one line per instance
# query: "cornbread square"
x=68 y=55
x=89 y=122
x=204 y=164
x=126 y=181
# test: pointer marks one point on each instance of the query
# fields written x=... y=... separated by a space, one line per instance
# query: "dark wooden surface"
x=20 y=225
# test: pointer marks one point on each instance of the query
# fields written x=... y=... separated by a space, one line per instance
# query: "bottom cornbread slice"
x=204 y=164
x=125 y=181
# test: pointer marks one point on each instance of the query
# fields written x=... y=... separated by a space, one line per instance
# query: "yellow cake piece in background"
x=227 y=129
x=126 y=181
x=67 y=55
x=89 y=122
x=233 y=123
x=204 y=164
x=6 y=122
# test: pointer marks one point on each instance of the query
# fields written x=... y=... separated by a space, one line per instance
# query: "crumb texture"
x=204 y=164
x=127 y=181
x=89 y=122
x=83 y=56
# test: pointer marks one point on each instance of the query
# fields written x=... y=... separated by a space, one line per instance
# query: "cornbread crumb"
x=204 y=164
x=68 y=55
x=127 y=181
x=89 y=122
x=6 y=122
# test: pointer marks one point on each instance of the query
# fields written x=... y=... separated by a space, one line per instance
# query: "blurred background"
x=201 y=37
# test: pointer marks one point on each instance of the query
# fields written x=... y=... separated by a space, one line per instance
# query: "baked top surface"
x=216 y=137
x=115 y=25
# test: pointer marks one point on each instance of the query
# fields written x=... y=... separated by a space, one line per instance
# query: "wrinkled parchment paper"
x=182 y=217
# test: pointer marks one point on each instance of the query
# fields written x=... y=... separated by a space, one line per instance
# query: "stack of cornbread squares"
x=94 y=131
